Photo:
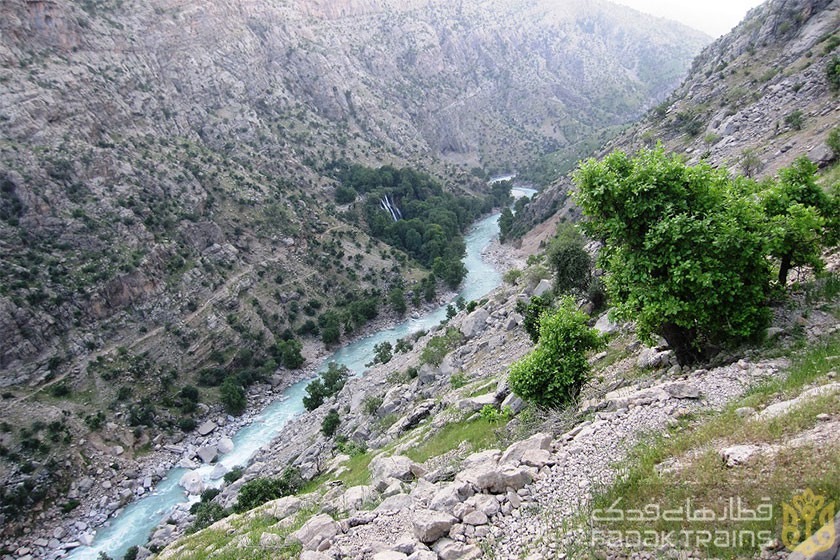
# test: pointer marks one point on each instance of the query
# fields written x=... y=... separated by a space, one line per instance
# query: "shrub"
x=554 y=372
x=288 y=351
x=833 y=141
x=261 y=490
x=382 y=353
x=131 y=553
x=187 y=424
x=832 y=72
x=371 y=404
x=569 y=260
x=330 y=423
x=328 y=384
x=794 y=119
x=439 y=346
x=233 y=475
x=233 y=396
x=493 y=414
x=512 y=276
x=60 y=390
x=531 y=313
x=458 y=380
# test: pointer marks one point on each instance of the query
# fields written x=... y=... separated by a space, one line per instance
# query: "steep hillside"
x=754 y=100
x=168 y=207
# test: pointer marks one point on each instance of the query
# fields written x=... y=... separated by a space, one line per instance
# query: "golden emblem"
x=808 y=523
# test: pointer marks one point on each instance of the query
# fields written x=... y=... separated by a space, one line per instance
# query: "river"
x=135 y=523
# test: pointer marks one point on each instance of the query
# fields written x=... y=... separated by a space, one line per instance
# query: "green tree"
x=685 y=249
x=261 y=490
x=569 y=260
x=832 y=72
x=506 y=220
x=233 y=396
x=554 y=372
x=531 y=312
x=396 y=297
x=289 y=352
x=833 y=141
x=330 y=423
x=382 y=353
x=329 y=383
x=797 y=210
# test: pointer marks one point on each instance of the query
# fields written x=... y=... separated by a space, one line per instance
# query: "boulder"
x=475 y=323
x=513 y=454
x=542 y=288
x=355 y=498
x=738 y=454
x=475 y=518
x=487 y=457
x=514 y=403
x=489 y=505
x=605 y=326
x=537 y=458
x=475 y=404
x=429 y=525
x=447 y=549
x=312 y=555
x=192 y=483
x=207 y=454
x=283 y=507
x=496 y=479
x=396 y=466
x=423 y=555
x=271 y=540
x=389 y=555
x=450 y=495
x=315 y=531
x=225 y=445
x=682 y=390
x=400 y=502
x=206 y=428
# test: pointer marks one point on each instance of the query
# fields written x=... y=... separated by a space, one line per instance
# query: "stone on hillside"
x=423 y=555
x=487 y=457
x=207 y=454
x=513 y=403
x=283 y=507
x=475 y=518
x=447 y=549
x=821 y=154
x=496 y=479
x=271 y=540
x=485 y=503
x=475 y=404
x=605 y=326
x=312 y=555
x=354 y=498
x=537 y=458
x=542 y=288
x=651 y=358
x=450 y=495
x=316 y=531
x=225 y=445
x=400 y=502
x=513 y=454
x=738 y=454
x=682 y=391
x=192 y=483
x=475 y=323
x=430 y=525
x=396 y=466
x=206 y=428
x=389 y=555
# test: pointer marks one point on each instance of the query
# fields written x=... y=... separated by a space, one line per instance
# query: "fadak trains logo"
x=808 y=523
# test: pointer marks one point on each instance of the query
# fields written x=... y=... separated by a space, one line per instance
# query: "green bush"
x=554 y=372
x=439 y=346
x=288 y=352
x=261 y=490
x=569 y=260
x=371 y=405
x=458 y=380
x=328 y=384
x=233 y=396
x=330 y=423
x=832 y=72
x=233 y=475
x=794 y=119
x=833 y=141
x=531 y=313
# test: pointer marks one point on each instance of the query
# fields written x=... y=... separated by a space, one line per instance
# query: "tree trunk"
x=681 y=341
x=784 y=268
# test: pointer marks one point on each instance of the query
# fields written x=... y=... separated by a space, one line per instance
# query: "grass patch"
x=480 y=433
x=241 y=540
x=704 y=479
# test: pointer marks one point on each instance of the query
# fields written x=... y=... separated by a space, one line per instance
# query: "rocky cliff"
x=754 y=100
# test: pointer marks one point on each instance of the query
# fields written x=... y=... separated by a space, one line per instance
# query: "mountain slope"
x=753 y=101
